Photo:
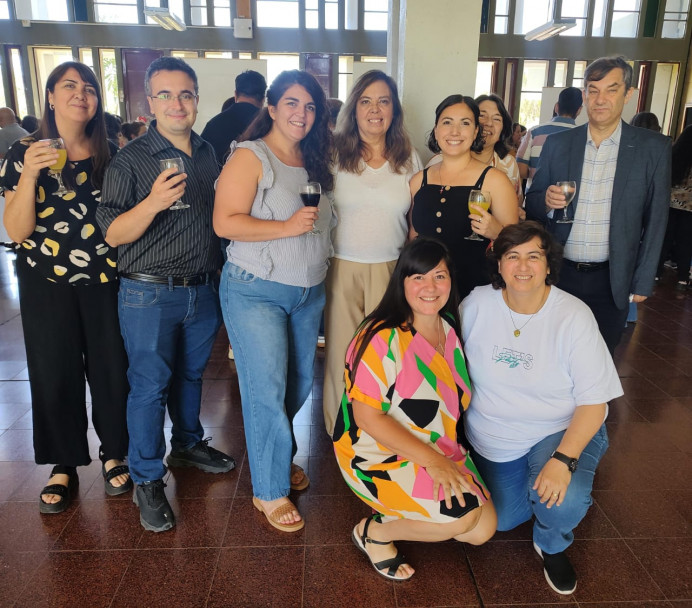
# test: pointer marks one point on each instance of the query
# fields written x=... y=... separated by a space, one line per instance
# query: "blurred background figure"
x=10 y=131
x=113 y=124
x=30 y=123
x=130 y=131
x=334 y=106
x=514 y=140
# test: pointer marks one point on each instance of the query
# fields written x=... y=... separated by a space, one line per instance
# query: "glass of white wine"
x=174 y=163
x=55 y=170
x=569 y=189
x=481 y=198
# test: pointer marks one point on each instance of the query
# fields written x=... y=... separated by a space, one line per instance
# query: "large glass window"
x=345 y=76
x=185 y=54
x=198 y=12
x=484 y=77
x=278 y=62
x=311 y=14
x=175 y=7
x=560 y=79
x=277 y=13
x=48 y=58
x=675 y=18
x=578 y=74
x=532 y=82
x=331 y=14
x=599 y=17
x=625 y=18
x=530 y=14
x=501 y=16
x=86 y=56
x=116 y=11
x=49 y=10
x=4 y=12
x=218 y=55
x=351 y=14
x=663 y=97
x=109 y=81
x=222 y=13
x=151 y=4
x=375 y=14
x=18 y=81
x=575 y=9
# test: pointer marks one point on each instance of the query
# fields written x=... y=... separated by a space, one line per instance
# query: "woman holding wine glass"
x=68 y=286
x=272 y=286
x=441 y=193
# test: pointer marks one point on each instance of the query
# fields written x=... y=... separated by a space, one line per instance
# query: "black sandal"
x=387 y=567
x=65 y=492
x=108 y=476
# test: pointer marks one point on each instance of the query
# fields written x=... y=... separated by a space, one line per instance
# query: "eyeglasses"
x=168 y=98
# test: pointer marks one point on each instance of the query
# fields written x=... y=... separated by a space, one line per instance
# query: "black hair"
x=420 y=256
x=113 y=125
x=130 y=130
x=598 y=69
x=682 y=158
x=518 y=234
x=569 y=101
x=251 y=84
x=30 y=123
x=500 y=146
x=646 y=120
x=453 y=100
x=169 y=64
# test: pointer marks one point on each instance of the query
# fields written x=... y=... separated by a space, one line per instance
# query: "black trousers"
x=678 y=242
x=593 y=288
x=72 y=333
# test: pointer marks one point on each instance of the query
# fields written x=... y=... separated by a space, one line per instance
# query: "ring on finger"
x=556 y=494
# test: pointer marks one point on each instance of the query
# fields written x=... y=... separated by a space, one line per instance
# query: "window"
x=116 y=11
x=198 y=12
x=675 y=18
x=185 y=54
x=663 y=97
x=575 y=9
x=311 y=15
x=4 y=14
x=484 y=77
x=501 y=18
x=373 y=59
x=277 y=13
x=18 y=82
x=331 y=14
x=3 y=97
x=560 y=79
x=109 y=81
x=625 y=18
x=532 y=83
x=244 y=55
x=345 y=76
x=530 y=14
x=599 y=18
x=47 y=58
x=277 y=63
x=375 y=14
x=222 y=13
x=49 y=10
x=86 y=56
x=578 y=76
x=218 y=55
x=175 y=7
x=351 y=14
x=151 y=4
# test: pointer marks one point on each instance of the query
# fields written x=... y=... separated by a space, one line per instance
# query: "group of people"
x=119 y=284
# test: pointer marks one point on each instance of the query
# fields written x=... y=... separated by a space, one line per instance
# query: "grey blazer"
x=639 y=209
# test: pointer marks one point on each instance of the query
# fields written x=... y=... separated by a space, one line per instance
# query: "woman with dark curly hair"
x=441 y=192
x=542 y=377
x=272 y=286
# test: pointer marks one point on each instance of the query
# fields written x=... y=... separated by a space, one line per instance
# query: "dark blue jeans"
x=168 y=333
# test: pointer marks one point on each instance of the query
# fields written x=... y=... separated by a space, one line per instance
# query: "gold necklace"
x=517 y=330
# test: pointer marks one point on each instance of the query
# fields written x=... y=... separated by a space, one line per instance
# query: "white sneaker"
x=230 y=353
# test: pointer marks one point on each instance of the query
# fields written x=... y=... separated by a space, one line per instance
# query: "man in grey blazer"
x=620 y=207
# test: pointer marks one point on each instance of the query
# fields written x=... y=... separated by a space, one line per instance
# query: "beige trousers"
x=353 y=291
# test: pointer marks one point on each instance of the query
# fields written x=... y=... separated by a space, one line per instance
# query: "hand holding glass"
x=310 y=193
x=55 y=170
x=481 y=198
x=174 y=163
x=568 y=189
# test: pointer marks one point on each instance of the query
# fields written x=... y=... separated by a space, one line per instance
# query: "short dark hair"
x=30 y=123
x=500 y=146
x=453 y=100
x=334 y=107
x=569 y=101
x=646 y=120
x=517 y=234
x=251 y=84
x=113 y=124
x=598 y=69
x=169 y=64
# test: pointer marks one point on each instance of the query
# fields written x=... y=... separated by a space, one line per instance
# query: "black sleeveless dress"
x=442 y=212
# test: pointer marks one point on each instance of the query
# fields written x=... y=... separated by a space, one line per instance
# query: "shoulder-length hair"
x=420 y=256
x=518 y=234
x=682 y=157
x=316 y=145
x=500 y=147
x=95 y=128
x=350 y=147
x=453 y=100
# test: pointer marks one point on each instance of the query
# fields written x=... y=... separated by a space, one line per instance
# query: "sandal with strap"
x=303 y=481
x=274 y=518
x=108 y=476
x=65 y=492
x=386 y=567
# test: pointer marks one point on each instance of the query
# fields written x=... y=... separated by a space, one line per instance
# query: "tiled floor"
x=633 y=550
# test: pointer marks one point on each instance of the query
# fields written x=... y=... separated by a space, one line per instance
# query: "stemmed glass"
x=311 y=193
x=482 y=199
x=174 y=163
x=55 y=170
x=569 y=189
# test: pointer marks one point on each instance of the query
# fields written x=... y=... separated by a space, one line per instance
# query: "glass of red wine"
x=311 y=193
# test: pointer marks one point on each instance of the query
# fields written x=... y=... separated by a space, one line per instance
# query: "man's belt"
x=585 y=266
x=198 y=279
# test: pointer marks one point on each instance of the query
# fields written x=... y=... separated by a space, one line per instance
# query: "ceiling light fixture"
x=165 y=19
x=550 y=29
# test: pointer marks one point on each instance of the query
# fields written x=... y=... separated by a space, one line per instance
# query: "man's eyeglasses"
x=168 y=98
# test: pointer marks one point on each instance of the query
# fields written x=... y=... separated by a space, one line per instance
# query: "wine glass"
x=310 y=193
x=174 y=163
x=482 y=199
x=569 y=189
x=55 y=170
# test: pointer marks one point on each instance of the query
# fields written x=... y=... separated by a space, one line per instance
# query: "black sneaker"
x=202 y=456
x=155 y=514
x=558 y=571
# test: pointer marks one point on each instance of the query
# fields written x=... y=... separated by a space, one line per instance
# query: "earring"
x=51 y=106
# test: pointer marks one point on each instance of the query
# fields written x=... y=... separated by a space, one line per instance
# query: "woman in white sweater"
x=373 y=165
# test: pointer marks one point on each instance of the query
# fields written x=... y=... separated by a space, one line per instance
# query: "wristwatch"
x=570 y=462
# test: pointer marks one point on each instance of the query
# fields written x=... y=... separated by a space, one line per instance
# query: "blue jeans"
x=168 y=333
x=273 y=330
x=510 y=485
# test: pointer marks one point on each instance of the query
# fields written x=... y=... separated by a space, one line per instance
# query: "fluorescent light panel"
x=165 y=19
x=550 y=29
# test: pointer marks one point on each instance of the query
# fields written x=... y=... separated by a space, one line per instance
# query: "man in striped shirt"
x=567 y=108
x=168 y=259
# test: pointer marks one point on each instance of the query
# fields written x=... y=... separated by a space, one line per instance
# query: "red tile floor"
x=634 y=549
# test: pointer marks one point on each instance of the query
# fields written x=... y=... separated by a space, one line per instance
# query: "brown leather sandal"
x=299 y=479
x=274 y=518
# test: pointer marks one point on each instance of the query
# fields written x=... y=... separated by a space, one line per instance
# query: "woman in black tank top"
x=440 y=193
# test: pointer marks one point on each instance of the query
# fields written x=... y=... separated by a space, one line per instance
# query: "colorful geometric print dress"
x=405 y=377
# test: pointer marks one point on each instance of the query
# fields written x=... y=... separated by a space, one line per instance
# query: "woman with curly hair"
x=272 y=286
x=374 y=163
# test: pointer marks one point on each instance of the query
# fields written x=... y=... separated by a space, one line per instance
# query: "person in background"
x=514 y=140
x=334 y=105
x=227 y=104
x=30 y=123
x=374 y=162
x=130 y=131
x=646 y=120
x=542 y=377
x=10 y=131
x=272 y=285
x=68 y=288
x=113 y=124
x=222 y=129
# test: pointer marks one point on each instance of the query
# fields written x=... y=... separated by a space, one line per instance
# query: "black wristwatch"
x=570 y=462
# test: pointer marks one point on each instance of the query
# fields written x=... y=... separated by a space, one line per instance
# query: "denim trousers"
x=273 y=329
x=168 y=333
x=511 y=483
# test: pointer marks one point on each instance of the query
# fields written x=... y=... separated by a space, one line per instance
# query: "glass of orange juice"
x=55 y=170
x=482 y=199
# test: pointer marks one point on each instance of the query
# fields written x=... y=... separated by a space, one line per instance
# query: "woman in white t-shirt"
x=542 y=376
x=373 y=165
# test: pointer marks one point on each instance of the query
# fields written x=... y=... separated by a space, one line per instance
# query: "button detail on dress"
x=443 y=200
x=438 y=230
x=439 y=214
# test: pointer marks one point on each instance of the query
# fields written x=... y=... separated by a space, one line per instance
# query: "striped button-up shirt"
x=177 y=243
x=589 y=237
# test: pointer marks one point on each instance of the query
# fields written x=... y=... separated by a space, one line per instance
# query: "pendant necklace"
x=517 y=330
